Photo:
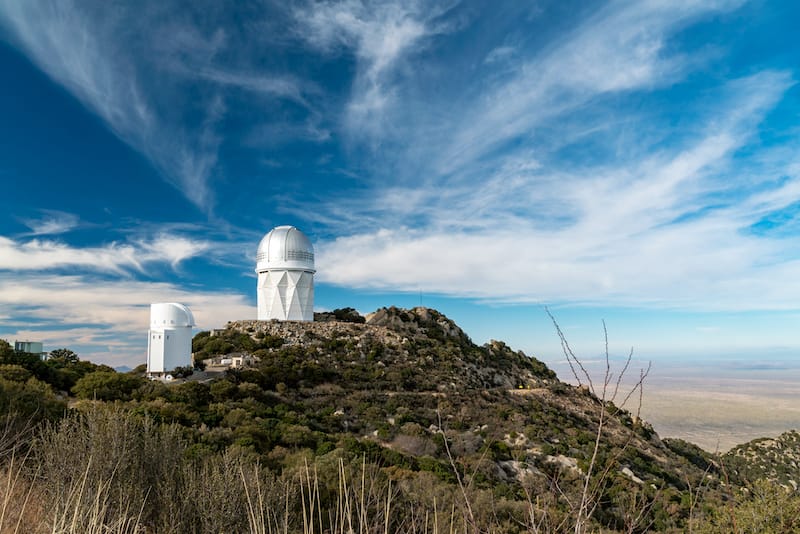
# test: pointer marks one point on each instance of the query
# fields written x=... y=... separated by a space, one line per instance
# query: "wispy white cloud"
x=154 y=74
x=87 y=48
x=621 y=48
x=284 y=87
x=52 y=222
x=380 y=35
x=635 y=232
x=38 y=255
x=453 y=124
x=500 y=53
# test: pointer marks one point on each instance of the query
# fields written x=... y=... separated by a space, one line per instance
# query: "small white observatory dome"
x=285 y=267
x=285 y=247
x=170 y=315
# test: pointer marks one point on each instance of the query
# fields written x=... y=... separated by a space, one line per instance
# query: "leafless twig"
x=592 y=486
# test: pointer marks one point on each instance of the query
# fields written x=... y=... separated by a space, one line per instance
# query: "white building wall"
x=31 y=347
x=170 y=337
x=287 y=295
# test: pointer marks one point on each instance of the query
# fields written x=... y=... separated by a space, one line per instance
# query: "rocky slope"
x=410 y=389
x=773 y=459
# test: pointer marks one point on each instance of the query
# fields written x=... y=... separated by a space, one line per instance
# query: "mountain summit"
x=409 y=389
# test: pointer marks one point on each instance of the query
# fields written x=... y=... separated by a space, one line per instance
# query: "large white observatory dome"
x=285 y=267
x=285 y=247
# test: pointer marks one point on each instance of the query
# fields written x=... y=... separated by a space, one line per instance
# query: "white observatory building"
x=170 y=342
x=285 y=267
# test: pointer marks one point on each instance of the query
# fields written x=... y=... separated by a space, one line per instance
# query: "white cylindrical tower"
x=170 y=342
x=285 y=267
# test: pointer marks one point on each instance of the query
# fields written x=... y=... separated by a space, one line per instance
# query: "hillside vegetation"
x=395 y=422
x=774 y=459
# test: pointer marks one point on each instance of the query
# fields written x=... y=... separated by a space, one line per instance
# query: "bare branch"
x=571 y=358
x=592 y=486
x=461 y=486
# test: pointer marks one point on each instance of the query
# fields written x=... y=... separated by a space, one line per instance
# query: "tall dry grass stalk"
x=83 y=512
x=20 y=503
x=594 y=478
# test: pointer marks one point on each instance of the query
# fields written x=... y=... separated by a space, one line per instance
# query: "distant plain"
x=716 y=405
x=718 y=412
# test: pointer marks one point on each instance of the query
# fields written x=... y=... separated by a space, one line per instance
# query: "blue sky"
x=629 y=161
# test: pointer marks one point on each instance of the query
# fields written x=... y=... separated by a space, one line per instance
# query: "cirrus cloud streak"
x=38 y=255
x=672 y=229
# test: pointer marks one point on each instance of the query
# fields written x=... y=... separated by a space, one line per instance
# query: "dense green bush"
x=30 y=400
x=107 y=386
x=204 y=345
x=348 y=315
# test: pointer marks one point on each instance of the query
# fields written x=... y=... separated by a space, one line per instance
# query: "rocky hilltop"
x=429 y=350
x=410 y=389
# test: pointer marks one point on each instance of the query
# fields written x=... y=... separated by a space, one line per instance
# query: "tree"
x=107 y=386
x=63 y=357
x=182 y=372
x=194 y=394
x=348 y=315
x=199 y=341
x=31 y=400
x=6 y=350
x=14 y=373
x=66 y=369
x=139 y=369
x=198 y=363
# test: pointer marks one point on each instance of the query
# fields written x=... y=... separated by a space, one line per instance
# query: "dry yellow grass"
x=22 y=508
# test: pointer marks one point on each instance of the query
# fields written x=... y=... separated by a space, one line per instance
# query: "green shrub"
x=14 y=372
x=107 y=386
